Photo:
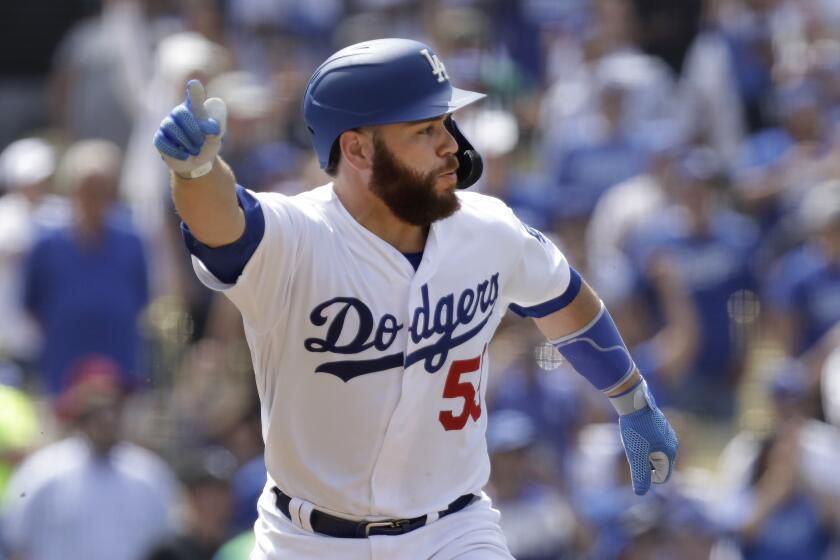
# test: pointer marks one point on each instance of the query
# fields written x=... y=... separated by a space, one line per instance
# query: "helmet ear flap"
x=470 y=164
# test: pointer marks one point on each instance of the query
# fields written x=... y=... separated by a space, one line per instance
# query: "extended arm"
x=203 y=186
x=584 y=333
x=208 y=205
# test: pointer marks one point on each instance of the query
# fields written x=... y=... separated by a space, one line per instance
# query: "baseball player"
x=368 y=305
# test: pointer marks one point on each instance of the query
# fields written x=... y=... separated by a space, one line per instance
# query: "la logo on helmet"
x=438 y=69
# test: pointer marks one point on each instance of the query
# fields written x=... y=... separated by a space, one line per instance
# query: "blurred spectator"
x=86 y=283
x=26 y=171
x=662 y=349
x=606 y=154
x=778 y=165
x=461 y=36
x=92 y=495
x=177 y=58
x=671 y=528
x=552 y=400
x=601 y=62
x=265 y=31
x=712 y=110
x=609 y=108
x=540 y=385
x=237 y=548
x=748 y=28
x=144 y=184
x=582 y=94
x=244 y=439
x=617 y=216
x=100 y=69
x=29 y=34
x=214 y=403
x=256 y=152
x=783 y=492
x=666 y=29
x=209 y=508
x=667 y=356
x=601 y=490
x=18 y=422
x=711 y=248
x=210 y=396
x=666 y=523
x=537 y=520
x=520 y=27
x=804 y=289
x=205 y=17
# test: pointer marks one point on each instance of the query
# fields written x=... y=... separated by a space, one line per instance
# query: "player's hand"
x=190 y=137
x=650 y=444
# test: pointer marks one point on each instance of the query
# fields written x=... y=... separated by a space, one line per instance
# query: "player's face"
x=423 y=196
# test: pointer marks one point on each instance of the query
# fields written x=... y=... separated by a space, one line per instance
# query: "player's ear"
x=357 y=149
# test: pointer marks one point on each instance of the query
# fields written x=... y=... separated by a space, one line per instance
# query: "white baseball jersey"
x=372 y=375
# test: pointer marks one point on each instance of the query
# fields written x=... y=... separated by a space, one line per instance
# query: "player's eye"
x=427 y=129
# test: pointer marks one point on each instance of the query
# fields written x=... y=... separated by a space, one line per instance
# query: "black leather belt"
x=339 y=527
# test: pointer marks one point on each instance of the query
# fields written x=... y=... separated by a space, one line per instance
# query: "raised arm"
x=203 y=186
x=584 y=333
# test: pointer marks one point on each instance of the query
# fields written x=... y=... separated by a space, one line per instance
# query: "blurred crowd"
x=685 y=156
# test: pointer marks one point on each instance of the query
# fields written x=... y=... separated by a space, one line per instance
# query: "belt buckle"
x=393 y=524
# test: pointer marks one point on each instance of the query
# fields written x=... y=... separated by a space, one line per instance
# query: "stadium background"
x=685 y=155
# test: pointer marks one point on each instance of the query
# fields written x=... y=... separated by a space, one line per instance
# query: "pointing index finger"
x=195 y=98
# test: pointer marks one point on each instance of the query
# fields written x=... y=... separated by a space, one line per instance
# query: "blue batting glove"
x=190 y=137
x=649 y=443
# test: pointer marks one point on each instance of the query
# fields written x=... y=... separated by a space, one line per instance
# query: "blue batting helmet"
x=382 y=82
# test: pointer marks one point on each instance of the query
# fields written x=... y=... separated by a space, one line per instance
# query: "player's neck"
x=375 y=216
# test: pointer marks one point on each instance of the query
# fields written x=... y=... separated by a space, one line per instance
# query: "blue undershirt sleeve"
x=228 y=261
x=552 y=305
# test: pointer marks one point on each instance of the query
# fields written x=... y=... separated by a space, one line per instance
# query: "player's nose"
x=449 y=145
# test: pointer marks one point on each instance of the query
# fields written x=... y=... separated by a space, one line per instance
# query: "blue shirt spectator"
x=86 y=283
x=714 y=264
x=537 y=519
x=777 y=515
x=749 y=42
x=551 y=401
x=598 y=151
x=87 y=299
x=804 y=287
x=807 y=284
x=794 y=530
x=586 y=172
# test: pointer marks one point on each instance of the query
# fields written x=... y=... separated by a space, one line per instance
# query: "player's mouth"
x=451 y=172
x=450 y=177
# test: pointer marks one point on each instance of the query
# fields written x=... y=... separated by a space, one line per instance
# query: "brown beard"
x=411 y=196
